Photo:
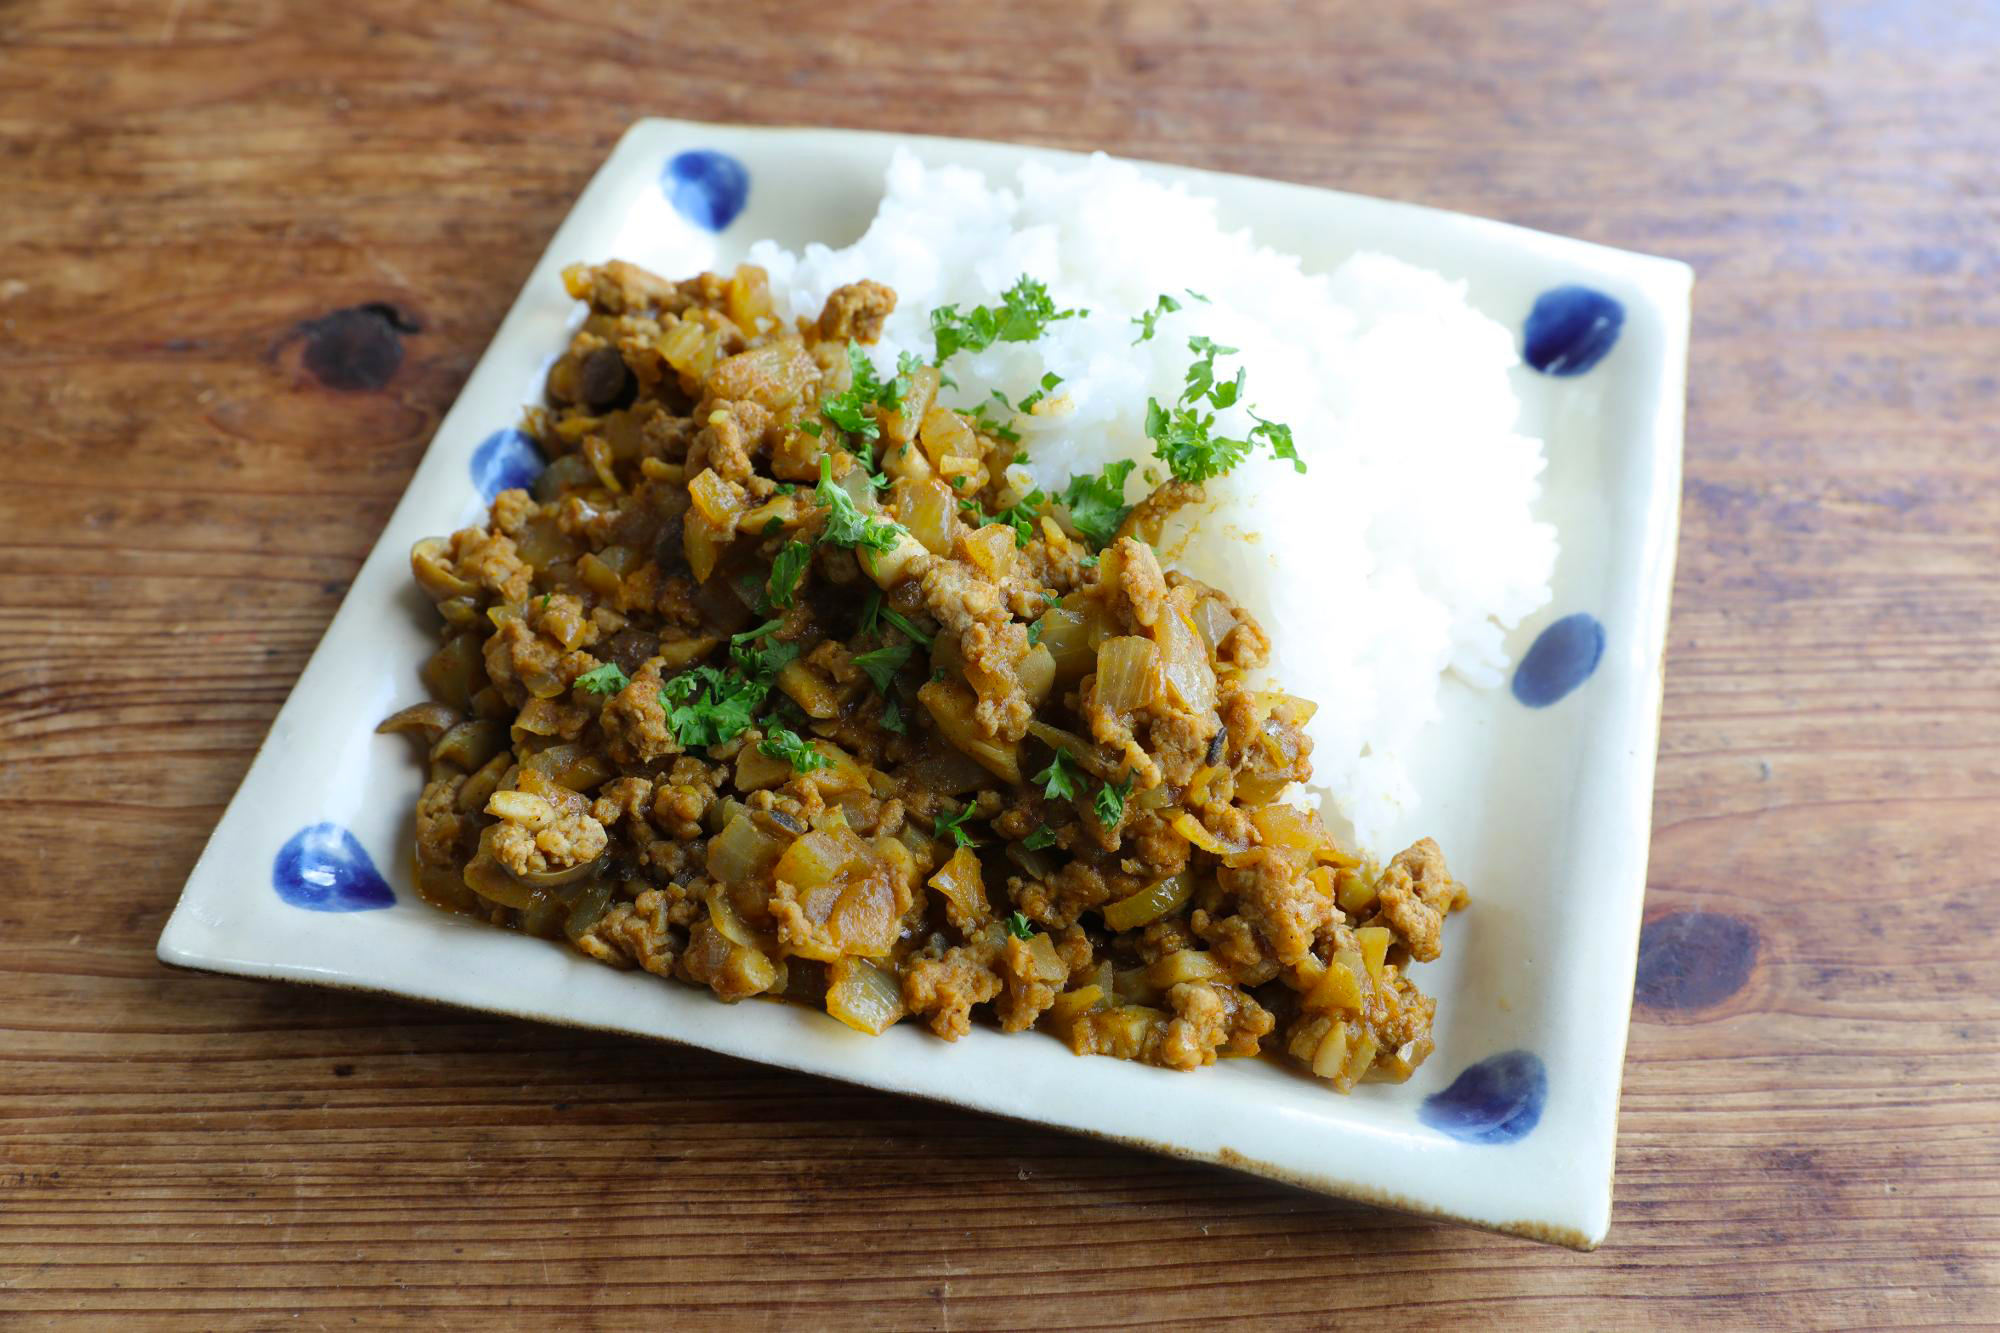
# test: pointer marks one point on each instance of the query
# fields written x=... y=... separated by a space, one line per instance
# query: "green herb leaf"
x=1034 y=632
x=1166 y=306
x=1021 y=516
x=1109 y=807
x=1019 y=926
x=849 y=409
x=883 y=663
x=1097 y=504
x=783 y=743
x=707 y=706
x=1043 y=836
x=1025 y=311
x=892 y=716
x=1049 y=381
x=871 y=612
x=761 y=663
x=953 y=827
x=904 y=625
x=846 y=525
x=786 y=571
x=1279 y=437
x=606 y=679
x=1058 y=780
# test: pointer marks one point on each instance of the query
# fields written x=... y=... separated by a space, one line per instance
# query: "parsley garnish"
x=812 y=428
x=1182 y=435
x=1043 y=836
x=1109 y=806
x=606 y=679
x=1049 y=381
x=883 y=663
x=1025 y=311
x=1034 y=632
x=846 y=525
x=1197 y=295
x=1019 y=926
x=984 y=420
x=904 y=625
x=892 y=716
x=1057 y=780
x=848 y=409
x=953 y=827
x=786 y=571
x=706 y=706
x=871 y=612
x=761 y=663
x=781 y=743
x=1166 y=306
x=1021 y=516
x=1097 y=504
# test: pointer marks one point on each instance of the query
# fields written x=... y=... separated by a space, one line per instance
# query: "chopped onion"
x=1150 y=903
x=863 y=996
x=1128 y=673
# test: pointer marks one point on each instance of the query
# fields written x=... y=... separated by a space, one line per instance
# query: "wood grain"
x=187 y=183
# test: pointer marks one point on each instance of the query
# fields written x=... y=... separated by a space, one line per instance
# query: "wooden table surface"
x=249 y=252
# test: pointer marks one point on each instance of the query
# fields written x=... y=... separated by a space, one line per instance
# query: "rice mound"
x=1407 y=548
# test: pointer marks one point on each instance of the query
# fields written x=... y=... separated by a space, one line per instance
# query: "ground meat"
x=856 y=312
x=948 y=986
x=1413 y=896
x=874 y=714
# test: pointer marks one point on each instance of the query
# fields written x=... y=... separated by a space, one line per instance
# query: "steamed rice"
x=1407 y=548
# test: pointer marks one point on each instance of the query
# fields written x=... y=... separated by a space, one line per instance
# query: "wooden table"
x=248 y=253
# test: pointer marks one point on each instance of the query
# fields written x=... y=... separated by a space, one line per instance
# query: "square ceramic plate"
x=1541 y=790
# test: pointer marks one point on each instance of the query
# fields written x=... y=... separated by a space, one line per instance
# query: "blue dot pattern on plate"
x=1570 y=330
x=706 y=187
x=1498 y=1100
x=1562 y=658
x=324 y=868
x=505 y=460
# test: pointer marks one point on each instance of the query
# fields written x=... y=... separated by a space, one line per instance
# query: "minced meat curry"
x=782 y=682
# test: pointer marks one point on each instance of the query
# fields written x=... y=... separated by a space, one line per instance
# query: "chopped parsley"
x=1109 y=806
x=1019 y=926
x=1034 y=632
x=984 y=421
x=846 y=525
x=1021 y=516
x=1097 y=504
x=606 y=679
x=783 y=743
x=1166 y=306
x=1058 y=780
x=892 y=716
x=848 y=409
x=1184 y=436
x=1025 y=311
x=871 y=612
x=883 y=663
x=812 y=428
x=953 y=827
x=786 y=571
x=1043 y=836
x=707 y=706
x=904 y=625
x=1049 y=381
x=761 y=663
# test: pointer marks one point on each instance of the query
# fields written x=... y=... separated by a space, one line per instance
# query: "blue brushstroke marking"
x=1562 y=658
x=324 y=868
x=1570 y=330
x=505 y=460
x=706 y=187
x=1498 y=1100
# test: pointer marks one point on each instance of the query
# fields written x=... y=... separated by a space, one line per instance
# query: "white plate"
x=1544 y=810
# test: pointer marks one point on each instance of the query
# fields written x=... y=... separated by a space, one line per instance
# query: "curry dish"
x=781 y=681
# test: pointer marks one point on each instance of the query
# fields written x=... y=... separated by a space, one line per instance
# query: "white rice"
x=1409 y=545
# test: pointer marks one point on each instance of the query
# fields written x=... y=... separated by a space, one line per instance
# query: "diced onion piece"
x=1339 y=987
x=1183 y=965
x=430 y=561
x=945 y=434
x=1066 y=634
x=1190 y=680
x=782 y=508
x=1374 y=942
x=1360 y=1055
x=1128 y=673
x=990 y=550
x=821 y=857
x=741 y=852
x=1306 y=1037
x=456 y=671
x=895 y=565
x=950 y=704
x=928 y=511
x=571 y=764
x=431 y=718
x=748 y=297
x=863 y=996
x=1044 y=961
x=1353 y=892
x=958 y=882
x=756 y=770
x=1037 y=673
x=1329 y=1058
x=1150 y=903
x=1214 y=621
x=471 y=744
x=1195 y=832
x=900 y=427
x=1071 y=1005
x=809 y=690
x=1093 y=758
x=588 y=909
